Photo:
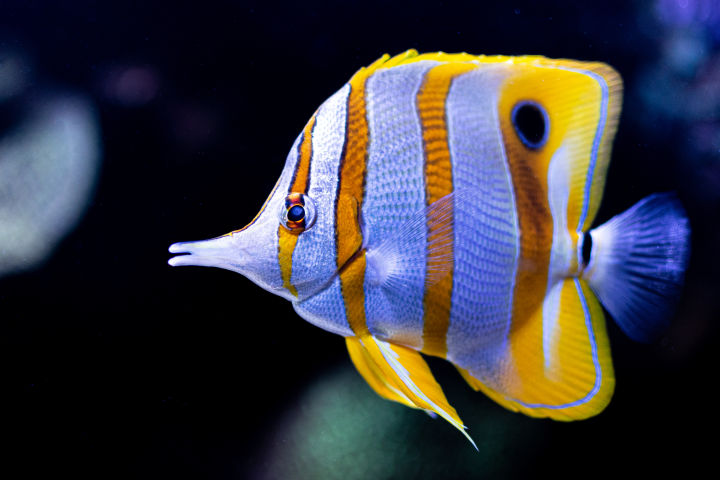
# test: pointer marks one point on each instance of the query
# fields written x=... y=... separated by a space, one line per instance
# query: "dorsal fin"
x=586 y=96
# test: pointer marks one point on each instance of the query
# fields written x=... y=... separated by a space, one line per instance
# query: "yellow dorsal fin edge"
x=412 y=56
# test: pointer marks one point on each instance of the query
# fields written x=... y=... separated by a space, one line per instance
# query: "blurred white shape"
x=48 y=167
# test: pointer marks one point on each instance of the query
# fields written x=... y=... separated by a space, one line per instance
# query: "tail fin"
x=637 y=264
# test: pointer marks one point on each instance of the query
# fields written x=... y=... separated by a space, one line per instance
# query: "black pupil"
x=296 y=213
x=530 y=124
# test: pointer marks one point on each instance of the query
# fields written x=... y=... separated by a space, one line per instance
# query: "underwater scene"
x=451 y=240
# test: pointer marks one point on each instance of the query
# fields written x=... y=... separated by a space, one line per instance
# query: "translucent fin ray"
x=397 y=261
x=637 y=264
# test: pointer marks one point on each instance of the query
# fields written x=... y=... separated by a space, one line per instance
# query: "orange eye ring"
x=298 y=213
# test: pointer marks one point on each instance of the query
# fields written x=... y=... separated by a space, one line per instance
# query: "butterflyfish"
x=442 y=204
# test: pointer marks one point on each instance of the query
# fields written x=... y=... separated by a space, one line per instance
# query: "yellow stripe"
x=286 y=246
x=352 y=280
x=287 y=240
x=438 y=183
x=348 y=201
x=301 y=177
x=373 y=374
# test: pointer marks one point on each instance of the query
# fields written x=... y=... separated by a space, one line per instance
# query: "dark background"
x=115 y=365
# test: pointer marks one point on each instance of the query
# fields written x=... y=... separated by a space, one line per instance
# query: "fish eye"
x=531 y=123
x=298 y=213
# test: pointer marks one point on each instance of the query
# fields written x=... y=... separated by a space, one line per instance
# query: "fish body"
x=442 y=204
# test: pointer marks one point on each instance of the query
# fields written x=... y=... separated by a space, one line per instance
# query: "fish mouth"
x=216 y=252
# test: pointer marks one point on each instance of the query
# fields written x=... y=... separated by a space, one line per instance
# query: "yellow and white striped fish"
x=442 y=203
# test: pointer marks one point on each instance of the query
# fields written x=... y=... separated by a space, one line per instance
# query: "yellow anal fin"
x=566 y=376
x=401 y=374
x=372 y=373
x=478 y=386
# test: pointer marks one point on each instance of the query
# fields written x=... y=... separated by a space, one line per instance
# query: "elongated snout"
x=221 y=252
x=249 y=252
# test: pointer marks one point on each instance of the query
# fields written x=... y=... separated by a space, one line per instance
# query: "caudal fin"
x=637 y=264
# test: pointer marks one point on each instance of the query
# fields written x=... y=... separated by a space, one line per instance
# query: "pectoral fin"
x=400 y=374
x=409 y=258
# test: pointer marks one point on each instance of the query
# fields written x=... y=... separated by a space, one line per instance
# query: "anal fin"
x=479 y=386
x=373 y=375
x=401 y=374
x=568 y=378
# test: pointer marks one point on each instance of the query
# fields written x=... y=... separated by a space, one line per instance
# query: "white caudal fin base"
x=637 y=264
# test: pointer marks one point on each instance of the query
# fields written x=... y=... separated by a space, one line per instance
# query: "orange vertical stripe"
x=301 y=178
x=529 y=172
x=300 y=183
x=438 y=183
x=351 y=186
x=348 y=202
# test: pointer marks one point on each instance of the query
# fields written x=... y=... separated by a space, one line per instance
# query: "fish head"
x=291 y=247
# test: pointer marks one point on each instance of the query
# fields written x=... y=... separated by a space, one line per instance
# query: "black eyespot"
x=586 y=249
x=531 y=123
x=296 y=213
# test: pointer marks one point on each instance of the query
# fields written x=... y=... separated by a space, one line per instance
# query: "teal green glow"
x=339 y=428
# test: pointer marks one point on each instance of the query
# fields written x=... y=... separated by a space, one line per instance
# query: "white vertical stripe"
x=395 y=186
x=486 y=225
x=314 y=267
x=326 y=310
x=561 y=254
x=313 y=263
